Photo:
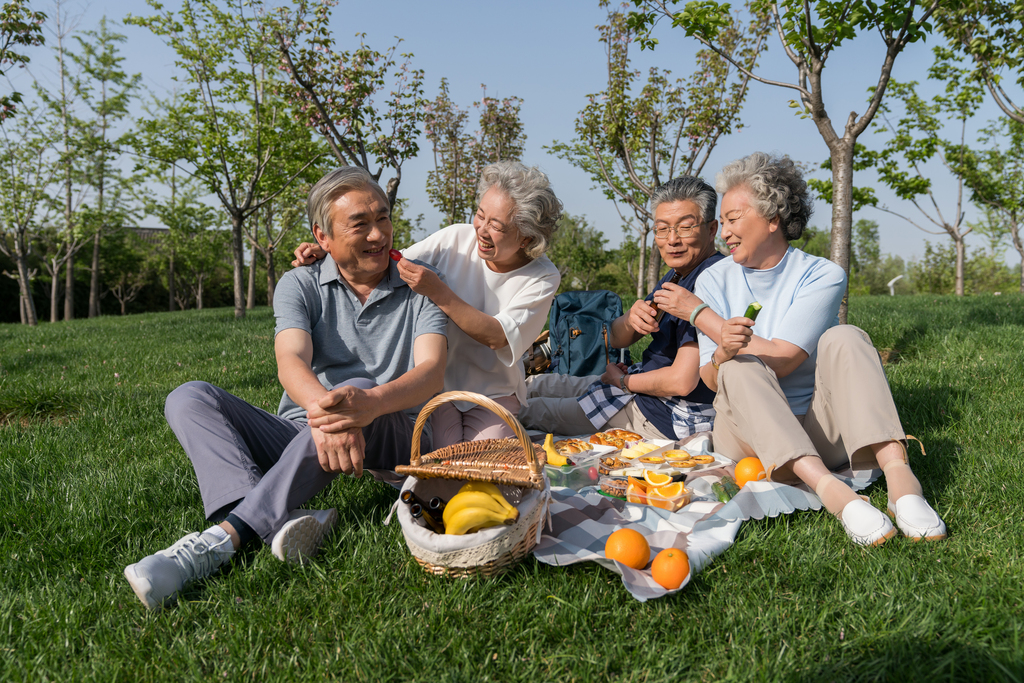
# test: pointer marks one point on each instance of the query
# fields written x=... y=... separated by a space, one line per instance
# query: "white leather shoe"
x=299 y=539
x=916 y=518
x=865 y=524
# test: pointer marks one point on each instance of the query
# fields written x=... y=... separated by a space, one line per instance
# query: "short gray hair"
x=333 y=185
x=537 y=209
x=687 y=188
x=778 y=188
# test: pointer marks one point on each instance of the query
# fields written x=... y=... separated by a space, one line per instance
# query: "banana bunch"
x=476 y=506
x=554 y=458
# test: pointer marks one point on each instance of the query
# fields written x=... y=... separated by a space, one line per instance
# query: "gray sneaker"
x=157 y=579
x=299 y=539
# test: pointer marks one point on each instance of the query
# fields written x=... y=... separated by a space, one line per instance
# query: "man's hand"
x=736 y=334
x=344 y=408
x=676 y=300
x=308 y=253
x=613 y=373
x=422 y=280
x=342 y=452
x=641 y=318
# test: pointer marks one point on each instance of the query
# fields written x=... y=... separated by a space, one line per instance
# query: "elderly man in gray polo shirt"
x=358 y=353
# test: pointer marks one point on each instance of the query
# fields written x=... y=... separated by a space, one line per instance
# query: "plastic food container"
x=583 y=473
x=671 y=504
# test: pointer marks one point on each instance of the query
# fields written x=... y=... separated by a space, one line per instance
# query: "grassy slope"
x=104 y=482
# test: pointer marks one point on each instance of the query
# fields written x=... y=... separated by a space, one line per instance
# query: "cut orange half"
x=657 y=478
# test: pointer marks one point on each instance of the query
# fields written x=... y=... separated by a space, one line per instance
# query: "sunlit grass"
x=91 y=479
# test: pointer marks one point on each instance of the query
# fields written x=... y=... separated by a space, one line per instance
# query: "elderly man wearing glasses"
x=662 y=396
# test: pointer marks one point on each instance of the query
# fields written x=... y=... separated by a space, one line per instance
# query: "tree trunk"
x=654 y=268
x=94 y=278
x=29 y=306
x=54 y=293
x=250 y=295
x=237 y=258
x=641 y=270
x=842 y=213
x=271 y=275
x=69 y=287
x=170 y=283
x=958 y=287
x=199 y=298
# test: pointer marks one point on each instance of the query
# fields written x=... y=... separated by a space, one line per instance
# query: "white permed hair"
x=537 y=209
x=777 y=186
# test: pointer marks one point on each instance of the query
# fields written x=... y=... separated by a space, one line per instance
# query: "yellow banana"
x=554 y=458
x=471 y=499
x=473 y=519
x=491 y=490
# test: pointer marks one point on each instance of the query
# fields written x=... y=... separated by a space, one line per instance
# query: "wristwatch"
x=622 y=384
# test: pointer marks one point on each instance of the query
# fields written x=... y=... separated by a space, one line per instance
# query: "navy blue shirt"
x=661 y=353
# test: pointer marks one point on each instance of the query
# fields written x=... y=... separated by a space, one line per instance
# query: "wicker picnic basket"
x=512 y=464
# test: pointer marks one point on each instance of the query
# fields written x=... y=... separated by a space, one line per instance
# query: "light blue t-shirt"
x=799 y=299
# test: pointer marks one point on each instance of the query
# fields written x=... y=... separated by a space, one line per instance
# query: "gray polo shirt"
x=350 y=339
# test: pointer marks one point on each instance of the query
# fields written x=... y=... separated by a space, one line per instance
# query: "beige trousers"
x=851 y=408
x=552 y=407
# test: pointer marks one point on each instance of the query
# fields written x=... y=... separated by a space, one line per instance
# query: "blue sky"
x=548 y=54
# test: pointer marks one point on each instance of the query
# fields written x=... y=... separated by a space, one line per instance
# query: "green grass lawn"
x=92 y=479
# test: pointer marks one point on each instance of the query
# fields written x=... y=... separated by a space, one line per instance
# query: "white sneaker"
x=299 y=538
x=916 y=518
x=865 y=524
x=158 y=578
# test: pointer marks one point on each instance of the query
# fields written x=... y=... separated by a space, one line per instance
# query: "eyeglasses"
x=663 y=232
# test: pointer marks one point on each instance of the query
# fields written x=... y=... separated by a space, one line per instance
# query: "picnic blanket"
x=581 y=522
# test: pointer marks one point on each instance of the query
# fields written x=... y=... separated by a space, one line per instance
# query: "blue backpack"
x=580 y=327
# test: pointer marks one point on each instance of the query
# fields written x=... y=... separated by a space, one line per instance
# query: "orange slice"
x=656 y=479
x=636 y=491
x=671 y=497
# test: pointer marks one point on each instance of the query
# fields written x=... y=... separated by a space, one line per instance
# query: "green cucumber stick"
x=752 y=311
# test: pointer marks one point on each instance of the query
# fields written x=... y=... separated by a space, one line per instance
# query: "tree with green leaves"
x=915 y=137
x=344 y=95
x=578 y=251
x=26 y=174
x=61 y=100
x=20 y=27
x=809 y=33
x=988 y=33
x=107 y=90
x=460 y=156
x=127 y=265
x=995 y=175
x=231 y=123
x=635 y=135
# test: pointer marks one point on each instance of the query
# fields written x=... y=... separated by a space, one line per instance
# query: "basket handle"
x=483 y=402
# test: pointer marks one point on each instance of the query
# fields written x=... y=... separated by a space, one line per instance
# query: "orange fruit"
x=657 y=478
x=671 y=497
x=749 y=469
x=636 y=491
x=670 y=568
x=629 y=547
